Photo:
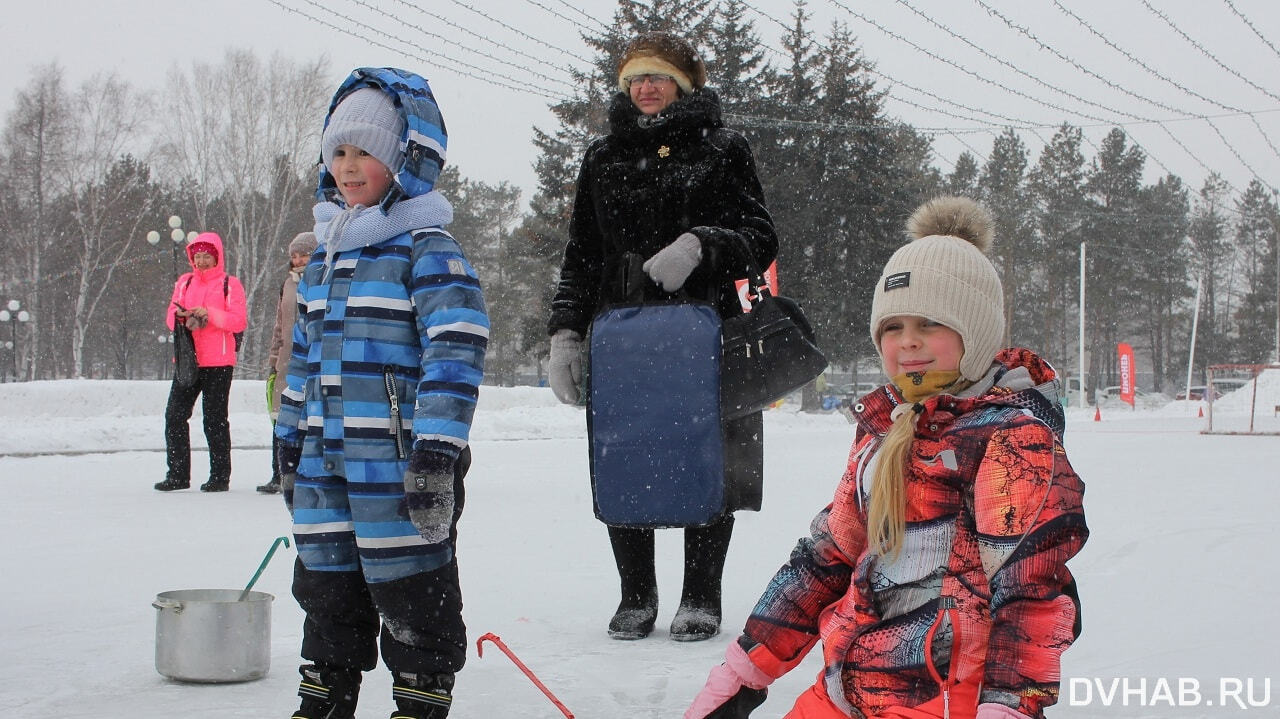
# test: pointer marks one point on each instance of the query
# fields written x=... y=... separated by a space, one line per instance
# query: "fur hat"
x=304 y=242
x=367 y=119
x=943 y=274
x=662 y=53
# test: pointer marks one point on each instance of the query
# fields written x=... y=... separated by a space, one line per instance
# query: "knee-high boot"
x=633 y=553
x=705 y=549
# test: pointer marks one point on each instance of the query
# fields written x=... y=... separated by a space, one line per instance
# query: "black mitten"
x=741 y=704
x=428 y=493
x=287 y=458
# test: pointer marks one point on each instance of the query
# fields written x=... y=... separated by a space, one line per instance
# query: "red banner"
x=770 y=279
x=1125 y=355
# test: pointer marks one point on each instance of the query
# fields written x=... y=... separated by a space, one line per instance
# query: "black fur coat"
x=647 y=182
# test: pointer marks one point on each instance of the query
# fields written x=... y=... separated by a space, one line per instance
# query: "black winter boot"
x=705 y=548
x=272 y=487
x=421 y=696
x=327 y=692
x=170 y=484
x=638 y=610
x=216 y=485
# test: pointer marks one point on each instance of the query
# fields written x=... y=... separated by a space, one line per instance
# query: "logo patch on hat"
x=897 y=281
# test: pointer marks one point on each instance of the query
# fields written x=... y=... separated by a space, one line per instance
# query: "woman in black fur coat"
x=671 y=184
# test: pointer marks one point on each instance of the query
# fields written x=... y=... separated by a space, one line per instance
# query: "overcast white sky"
x=490 y=125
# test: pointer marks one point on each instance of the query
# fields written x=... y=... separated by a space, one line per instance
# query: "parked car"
x=838 y=394
x=1198 y=392
x=1141 y=398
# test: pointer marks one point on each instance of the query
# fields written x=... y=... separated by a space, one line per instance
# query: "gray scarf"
x=340 y=229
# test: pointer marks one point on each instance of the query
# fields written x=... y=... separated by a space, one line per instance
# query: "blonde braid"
x=887 y=514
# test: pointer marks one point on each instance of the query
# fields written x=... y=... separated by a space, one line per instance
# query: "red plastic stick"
x=497 y=641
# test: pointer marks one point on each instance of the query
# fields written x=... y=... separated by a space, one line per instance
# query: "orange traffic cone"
x=1097 y=414
x=1201 y=411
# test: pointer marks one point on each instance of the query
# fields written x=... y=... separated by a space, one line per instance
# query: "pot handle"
x=163 y=604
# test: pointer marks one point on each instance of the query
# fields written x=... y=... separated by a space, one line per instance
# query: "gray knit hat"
x=367 y=119
x=943 y=274
x=304 y=242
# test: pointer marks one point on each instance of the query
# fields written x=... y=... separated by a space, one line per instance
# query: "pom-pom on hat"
x=943 y=274
x=662 y=53
x=366 y=118
x=304 y=242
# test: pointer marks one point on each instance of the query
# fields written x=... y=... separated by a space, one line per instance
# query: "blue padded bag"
x=653 y=415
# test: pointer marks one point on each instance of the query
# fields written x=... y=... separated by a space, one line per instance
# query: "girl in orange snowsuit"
x=936 y=579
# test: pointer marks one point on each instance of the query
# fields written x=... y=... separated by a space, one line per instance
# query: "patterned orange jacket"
x=980 y=598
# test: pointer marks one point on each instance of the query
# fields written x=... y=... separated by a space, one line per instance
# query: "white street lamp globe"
x=176 y=235
x=153 y=238
x=14 y=305
x=23 y=316
x=8 y=344
x=4 y=315
x=160 y=339
x=175 y=222
x=191 y=236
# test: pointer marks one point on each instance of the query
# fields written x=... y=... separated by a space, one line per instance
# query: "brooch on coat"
x=664 y=151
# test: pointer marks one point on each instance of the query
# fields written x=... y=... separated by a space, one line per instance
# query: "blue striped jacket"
x=388 y=354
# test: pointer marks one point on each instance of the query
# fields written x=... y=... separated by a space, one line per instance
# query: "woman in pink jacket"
x=211 y=304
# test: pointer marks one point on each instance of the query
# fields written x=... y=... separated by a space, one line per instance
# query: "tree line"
x=233 y=149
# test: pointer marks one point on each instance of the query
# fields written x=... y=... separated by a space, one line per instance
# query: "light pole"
x=176 y=234
x=166 y=358
x=13 y=314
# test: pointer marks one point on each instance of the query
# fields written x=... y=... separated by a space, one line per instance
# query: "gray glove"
x=671 y=265
x=428 y=494
x=564 y=369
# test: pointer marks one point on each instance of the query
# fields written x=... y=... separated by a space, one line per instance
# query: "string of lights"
x=1001 y=61
x=1191 y=41
x=1249 y=24
x=441 y=61
x=520 y=32
x=478 y=36
x=460 y=46
x=1005 y=88
x=584 y=14
x=1121 y=88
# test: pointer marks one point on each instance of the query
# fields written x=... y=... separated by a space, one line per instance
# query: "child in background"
x=300 y=249
x=388 y=354
x=936 y=579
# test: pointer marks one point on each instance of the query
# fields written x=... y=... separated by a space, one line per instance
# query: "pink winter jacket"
x=215 y=342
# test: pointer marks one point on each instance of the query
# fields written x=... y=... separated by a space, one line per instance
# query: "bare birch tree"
x=108 y=193
x=39 y=141
x=244 y=137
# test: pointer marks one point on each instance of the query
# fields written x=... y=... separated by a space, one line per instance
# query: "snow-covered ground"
x=1178 y=580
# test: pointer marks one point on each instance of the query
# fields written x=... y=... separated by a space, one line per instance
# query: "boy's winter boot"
x=272 y=487
x=638 y=610
x=421 y=696
x=705 y=548
x=327 y=692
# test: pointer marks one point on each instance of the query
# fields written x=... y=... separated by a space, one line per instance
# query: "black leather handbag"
x=185 y=369
x=766 y=354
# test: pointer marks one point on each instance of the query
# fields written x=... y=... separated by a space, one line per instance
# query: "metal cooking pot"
x=213 y=635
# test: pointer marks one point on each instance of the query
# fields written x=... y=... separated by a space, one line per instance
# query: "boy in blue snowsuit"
x=388 y=354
